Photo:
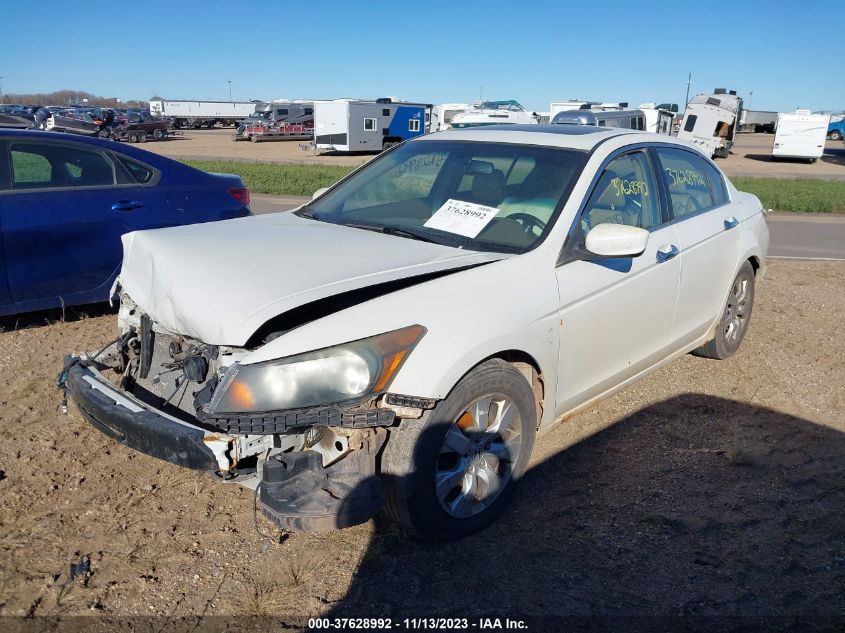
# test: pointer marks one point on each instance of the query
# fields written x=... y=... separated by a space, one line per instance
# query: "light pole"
x=750 y=94
x=1 y=91
x=689 y=82
x=230 y=89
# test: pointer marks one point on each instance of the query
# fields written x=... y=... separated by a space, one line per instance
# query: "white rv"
x=659 y=118
x=711 y=121
x=800 y=134
x=443 y=114
x=350 y=125
x=572 y=104
x=603 y=117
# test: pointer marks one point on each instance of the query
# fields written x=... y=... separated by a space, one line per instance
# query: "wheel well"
x=755 y=264
x=529 y=368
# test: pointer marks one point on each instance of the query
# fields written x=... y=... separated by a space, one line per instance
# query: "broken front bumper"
x=137 y=425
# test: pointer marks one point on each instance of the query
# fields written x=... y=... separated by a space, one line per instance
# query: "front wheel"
x=735 y=317
x=835 y=135
x=451 y=473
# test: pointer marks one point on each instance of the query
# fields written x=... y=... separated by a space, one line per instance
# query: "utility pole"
x=1 y=91
x=689 y=83
x=750 y=94
x=230 y=89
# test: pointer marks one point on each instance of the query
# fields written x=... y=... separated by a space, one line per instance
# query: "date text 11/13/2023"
x=416 y=624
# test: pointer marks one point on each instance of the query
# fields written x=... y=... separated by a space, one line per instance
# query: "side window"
x=683 y=171
x=717 y=184
x=30 y=169
x=369 y=124
x=413 y=125
x=56 y=165
x=625 y=193
x=690 y=124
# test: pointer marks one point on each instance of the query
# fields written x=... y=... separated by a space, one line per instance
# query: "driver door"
x=616 y=314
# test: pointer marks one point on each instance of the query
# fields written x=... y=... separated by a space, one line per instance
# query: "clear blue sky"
x=535 y=52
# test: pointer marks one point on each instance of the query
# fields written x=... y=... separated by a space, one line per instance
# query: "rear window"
x=140 y=173
x=717 y=183
x=689 y=189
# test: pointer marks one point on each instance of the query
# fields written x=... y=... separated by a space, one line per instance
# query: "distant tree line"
x=71 y=97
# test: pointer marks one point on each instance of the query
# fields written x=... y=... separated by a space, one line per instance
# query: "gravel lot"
x=751 y=154
x=708 y=490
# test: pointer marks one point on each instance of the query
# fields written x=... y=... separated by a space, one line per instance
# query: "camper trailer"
x=659 y=118
x=348 y=125
x=628 y=119
x=711 y=121
x=800 y=134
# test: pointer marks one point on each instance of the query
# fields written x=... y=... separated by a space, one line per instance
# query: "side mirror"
x=616 y=240
x=319 y=193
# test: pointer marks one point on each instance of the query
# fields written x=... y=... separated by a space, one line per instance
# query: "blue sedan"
x=66 y=200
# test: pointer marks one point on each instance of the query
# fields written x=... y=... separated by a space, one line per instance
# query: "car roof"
x=581 y=137
x=156 y=160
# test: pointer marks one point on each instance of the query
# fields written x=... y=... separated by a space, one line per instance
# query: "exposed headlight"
x=334 y=374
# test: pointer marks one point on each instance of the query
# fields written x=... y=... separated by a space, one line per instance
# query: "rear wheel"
x=835 y=135
x=133 y=137
x=735 y=317
x=142 y=137
x=452 y=472
x=158 y=134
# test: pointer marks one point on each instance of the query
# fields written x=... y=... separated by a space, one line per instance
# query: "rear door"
x=62 y=217
x=706 y=223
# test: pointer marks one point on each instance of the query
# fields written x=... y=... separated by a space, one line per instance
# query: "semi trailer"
x=196 y=114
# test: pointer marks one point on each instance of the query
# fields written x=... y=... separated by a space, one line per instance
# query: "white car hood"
x=220 y=281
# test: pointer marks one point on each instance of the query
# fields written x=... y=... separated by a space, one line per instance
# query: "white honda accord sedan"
x=400 y=340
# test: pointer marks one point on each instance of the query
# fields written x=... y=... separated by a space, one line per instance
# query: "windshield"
x=500 y=197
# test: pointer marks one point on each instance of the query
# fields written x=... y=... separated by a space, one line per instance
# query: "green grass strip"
x=795 y=195
x=780 y=194
x=277 y=179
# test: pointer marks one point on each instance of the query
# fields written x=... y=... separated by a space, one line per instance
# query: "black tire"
x=835 y=135
x=142 y=137
x=132 y=137
x=724 y=345
x=158 y=134
x=415 y=451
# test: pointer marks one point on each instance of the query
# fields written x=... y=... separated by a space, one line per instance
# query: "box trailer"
x=349 y=125
x=711 y=121
x=800 y=134
x=195 y=114
x=758 y=121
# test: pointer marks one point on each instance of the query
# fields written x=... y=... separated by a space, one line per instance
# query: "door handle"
x=126 y=205
x=666 y=252
x=730 y=222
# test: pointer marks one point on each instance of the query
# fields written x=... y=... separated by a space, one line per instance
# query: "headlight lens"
x=333 y=374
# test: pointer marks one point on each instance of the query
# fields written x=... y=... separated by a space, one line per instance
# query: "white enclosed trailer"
x=350 y=125
x=202 y=113
x=800 y=134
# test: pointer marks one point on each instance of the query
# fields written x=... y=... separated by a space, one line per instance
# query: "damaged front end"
x=283 y=427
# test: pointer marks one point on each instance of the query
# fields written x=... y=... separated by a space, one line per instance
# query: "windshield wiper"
x=393 y=230
x=306 y=212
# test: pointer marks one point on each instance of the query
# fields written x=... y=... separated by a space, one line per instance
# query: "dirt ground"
x=712 y=491
x=751 y=154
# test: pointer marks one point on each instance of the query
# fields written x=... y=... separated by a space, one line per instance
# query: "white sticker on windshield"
x=462 y=218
